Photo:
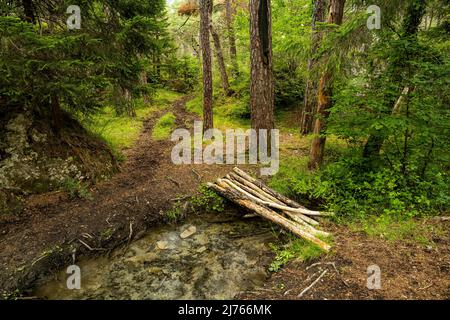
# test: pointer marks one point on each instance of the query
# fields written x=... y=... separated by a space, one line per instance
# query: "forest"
x=348 y=103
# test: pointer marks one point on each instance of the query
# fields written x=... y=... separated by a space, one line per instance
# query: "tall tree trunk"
x=324 y=98
x=220 y=62
x=205 y=23
x=411 y=22
x=28 y=9
x=231 y=36
x=262 y=87
x=310 y=100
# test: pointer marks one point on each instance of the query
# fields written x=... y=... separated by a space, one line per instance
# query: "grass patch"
x=295 y=250
x=164 y=126
x=393 y=229
x=121 y=131
x=165 y=97
x=208 y=200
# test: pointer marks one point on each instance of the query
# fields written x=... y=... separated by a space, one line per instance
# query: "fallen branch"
x=312 y=284
x=89 y=247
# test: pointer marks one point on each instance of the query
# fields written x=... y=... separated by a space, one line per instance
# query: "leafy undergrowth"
x=229 y=112
x=376 y=203
x=205 y=201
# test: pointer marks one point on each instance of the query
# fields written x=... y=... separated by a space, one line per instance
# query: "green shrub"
x=208 y=200
x=75 y=189
x=181 y=75
x=176 y=213
x=348 y=188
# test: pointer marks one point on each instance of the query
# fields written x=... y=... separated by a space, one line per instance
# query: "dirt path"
x=51 y=226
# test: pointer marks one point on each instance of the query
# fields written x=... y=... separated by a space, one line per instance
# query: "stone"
x=188 y=232
x=162 y=245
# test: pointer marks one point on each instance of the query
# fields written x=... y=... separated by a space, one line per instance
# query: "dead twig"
x=333 y=264
x=199 y=176
x=89 y=247
x=174 y=181
x=181 y=198
x=426 y=287
x=312 y=284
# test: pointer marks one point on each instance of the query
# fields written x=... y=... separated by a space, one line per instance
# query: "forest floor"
x=52 y=226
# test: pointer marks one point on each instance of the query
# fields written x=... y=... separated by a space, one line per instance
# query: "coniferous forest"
x=224 y=149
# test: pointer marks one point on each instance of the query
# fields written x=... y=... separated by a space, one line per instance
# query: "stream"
x=211 y=256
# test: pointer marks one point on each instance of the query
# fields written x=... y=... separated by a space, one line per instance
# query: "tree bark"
x=221 y=62
x=262 y=87
x=205 y=22
x=310 y=99
x=324 y=97
x=231 y=36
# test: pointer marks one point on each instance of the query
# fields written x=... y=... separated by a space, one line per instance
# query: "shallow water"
x=222 y=258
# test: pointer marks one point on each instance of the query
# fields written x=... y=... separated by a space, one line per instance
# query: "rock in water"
x=162 y=245
x=188 y=232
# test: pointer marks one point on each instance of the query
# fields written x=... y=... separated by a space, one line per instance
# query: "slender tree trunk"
x=262 y=87
x=324 y=103
x=231 y=36
x=221 y=62
x=205 y=23
x=310 y=100
x=411 y=22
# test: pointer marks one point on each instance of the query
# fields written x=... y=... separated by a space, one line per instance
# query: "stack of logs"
x=245 y=191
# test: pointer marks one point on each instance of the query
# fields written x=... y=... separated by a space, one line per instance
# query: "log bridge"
x=252 y=194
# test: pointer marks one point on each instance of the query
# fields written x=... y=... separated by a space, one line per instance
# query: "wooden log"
x=268 y=197
x=305 y=225
x=272 y=192
x=231 y=194
x=250 y=190
x=225 y=183
x=271 y=204
x=294 y=217
x=307 y=219
x=277 y=195
x=249 y=184
x=281 y=197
